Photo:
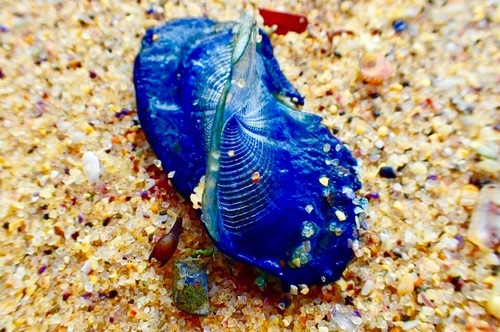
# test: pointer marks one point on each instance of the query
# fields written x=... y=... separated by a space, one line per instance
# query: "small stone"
x=485 y=151
x=150 y=229
x=493 y=306
x=484 y=227
x=396 y=87
x=304 y=289
x=283 y=303
x=397 y=205
x=469 y=196
x=367 y=287
x=405 y=284
x=255 y=177
x=356 y=320
x=296 y=262
x=342 y=318
x=91 y=166
x=42 y=269
x=197 y=195
x=418 y=168
x=113 y=293
x=190 y=288
x=86 y=267
x=383 y=131
x=356 y=249
x=424 y=82
x=47 y=192
x=410 y=325
x=379 y=144
x=340 y=215
x=324 y=181
x=308 y=229
x=489 y=166
x=387 y=172
x=399 y=26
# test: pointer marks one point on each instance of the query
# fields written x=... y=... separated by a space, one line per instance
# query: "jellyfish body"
x=279 y=188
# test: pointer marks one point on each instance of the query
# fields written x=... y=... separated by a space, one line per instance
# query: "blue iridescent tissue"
x=279 y=190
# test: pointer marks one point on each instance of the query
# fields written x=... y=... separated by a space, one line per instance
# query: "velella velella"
x=278 y=188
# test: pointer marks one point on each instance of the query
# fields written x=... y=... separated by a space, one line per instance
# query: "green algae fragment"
x=203 y=252
x=261 y=281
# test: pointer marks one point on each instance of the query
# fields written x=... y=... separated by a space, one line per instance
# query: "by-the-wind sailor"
x=279 y=189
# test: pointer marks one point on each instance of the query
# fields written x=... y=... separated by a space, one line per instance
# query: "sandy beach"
x=83 y=199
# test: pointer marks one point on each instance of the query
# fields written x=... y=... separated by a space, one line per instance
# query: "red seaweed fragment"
x=285 y=22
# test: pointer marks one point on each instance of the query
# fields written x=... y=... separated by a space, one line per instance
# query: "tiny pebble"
x=324 y=181
x=86 y=267
x=379 y=144
x=284 y=303
x=91 y=166
x=469 y=195
x=493 y=306
x=387 y=172
x=399 y=26
x=418 y=168
x=484 y=226
x=42 y=269
x=112 y=294
x=409 y=325
x=383 y=131
x=367 y=287
x=150 y=229
x=405 y=284
x=340 y=215
x=485 y=151
x=489 y=166
x=356 y=320
x=372 y=196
